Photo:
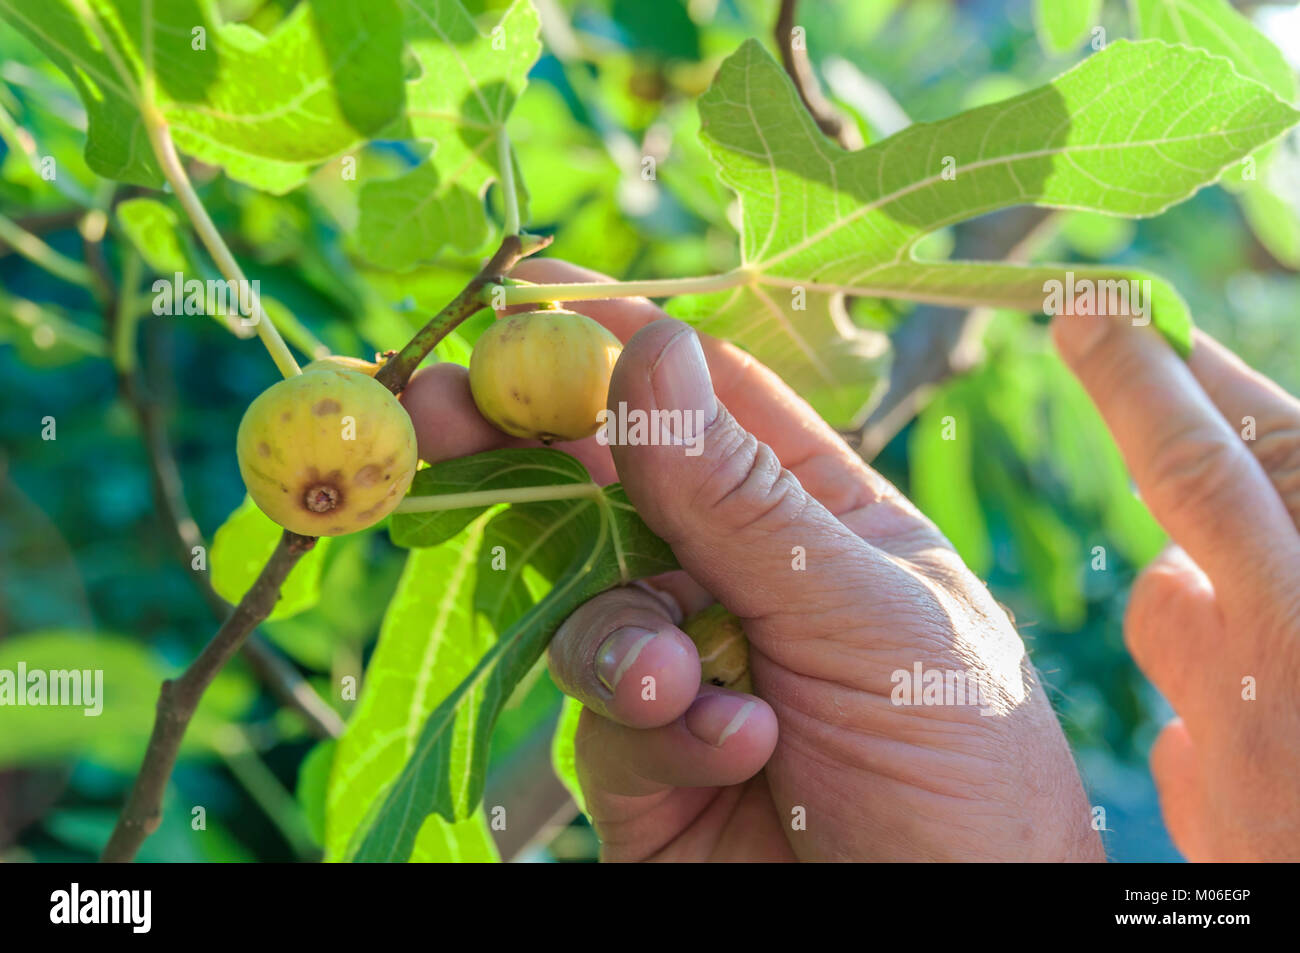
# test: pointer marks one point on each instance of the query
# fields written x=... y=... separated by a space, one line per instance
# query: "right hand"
x=1215 y=621
x=677 y=777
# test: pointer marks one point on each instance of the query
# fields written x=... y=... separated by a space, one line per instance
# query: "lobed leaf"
x=467 y=85
x=1130 y=131
x=265 y=108
x=585 y=545
x=430 y=639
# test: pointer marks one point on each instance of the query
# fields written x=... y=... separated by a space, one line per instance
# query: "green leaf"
x=265 y=108
x=563 y=755
x=1129 y=131
x=241 y=548
x=601 y=542
x=313 y=782
x=940 y=454
x=431 y=639
x=411 y=218
x=468 y=84
x=1273 y=218
x=481 y=473
x=1214 y=25
x=355 y=585
x=1061 y=24
x=126 y=700
x=154 y=229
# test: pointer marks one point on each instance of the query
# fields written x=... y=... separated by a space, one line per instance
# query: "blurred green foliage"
x=87 y=567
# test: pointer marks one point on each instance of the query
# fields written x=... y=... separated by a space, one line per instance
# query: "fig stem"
x=651 y=288
x=398 y=369
x=174 y=171
x=518 y=494
x=43 y=256
x=506 y=170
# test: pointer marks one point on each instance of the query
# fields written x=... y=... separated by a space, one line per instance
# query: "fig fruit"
x=327 y=452
x=723 y=648
x=544 y=374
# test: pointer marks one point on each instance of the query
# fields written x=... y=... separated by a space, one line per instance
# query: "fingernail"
x=680 y=379
x=715 y=718
x=617 y=653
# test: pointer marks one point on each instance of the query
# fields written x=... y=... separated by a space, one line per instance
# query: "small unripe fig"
x=327 y=452
x=544 y=374
x=723 y=648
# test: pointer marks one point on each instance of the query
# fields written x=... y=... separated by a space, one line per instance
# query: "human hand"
x=678 y=777
x=1223 y=604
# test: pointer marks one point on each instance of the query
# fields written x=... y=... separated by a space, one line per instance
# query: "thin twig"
x=180 y=697
x=174 y=171
x=43 y=256
x=398 y=369
x=799 y=68
x=285 y=682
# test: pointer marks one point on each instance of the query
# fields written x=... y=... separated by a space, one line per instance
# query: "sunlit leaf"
x=1129 y=131
x=467 y=86
x=112 y=727
x=430 y=641
x=154 y=229
x=563 y=756
x=1061 y=24
x=596 y=535
x=240 y=549
x=265 y=108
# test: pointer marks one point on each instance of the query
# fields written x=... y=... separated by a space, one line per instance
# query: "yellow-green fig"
x=544 y=374
x=327 y=452
x=723 y=648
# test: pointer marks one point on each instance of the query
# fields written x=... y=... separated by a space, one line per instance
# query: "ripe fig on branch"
x=328 y=452
x=723 y=648
x=544 y=374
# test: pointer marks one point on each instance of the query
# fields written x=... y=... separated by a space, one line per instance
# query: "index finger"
x=1197 y=477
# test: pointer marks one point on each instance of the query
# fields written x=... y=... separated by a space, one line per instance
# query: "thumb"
x=739 y=523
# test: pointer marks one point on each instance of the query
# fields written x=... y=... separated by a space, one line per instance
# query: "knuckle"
x=1278 y=451
x=1195 y=469
x=748 y=488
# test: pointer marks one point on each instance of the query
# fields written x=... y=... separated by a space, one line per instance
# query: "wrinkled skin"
x=678 y=777
x=700 y=773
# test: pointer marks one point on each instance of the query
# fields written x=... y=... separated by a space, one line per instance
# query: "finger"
x=723 y=738
x=1192 y=470
x=1262 y=414
x=736 y=519
x=623 y=657
x=1172 y=627
x=448 y=423
x=1176 y=771
x=758 y=398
